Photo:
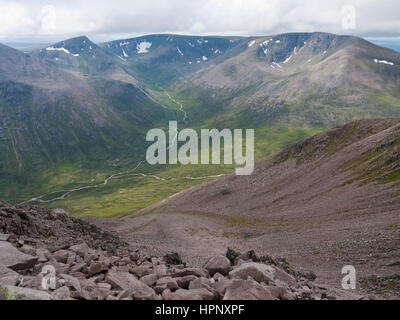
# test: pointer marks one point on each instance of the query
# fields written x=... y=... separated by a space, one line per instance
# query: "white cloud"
x=375 y=18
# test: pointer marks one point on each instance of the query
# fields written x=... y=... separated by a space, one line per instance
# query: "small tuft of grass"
x=8 y=295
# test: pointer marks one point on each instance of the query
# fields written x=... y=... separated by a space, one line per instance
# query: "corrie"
x=184 y=147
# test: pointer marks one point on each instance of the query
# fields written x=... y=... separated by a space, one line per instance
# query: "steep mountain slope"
x=326 y=202
x=299 y=78
x=49 y=116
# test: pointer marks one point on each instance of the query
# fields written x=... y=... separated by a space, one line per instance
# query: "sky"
x=42 y=21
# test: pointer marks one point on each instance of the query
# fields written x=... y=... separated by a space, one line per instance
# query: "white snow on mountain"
x=61 y=49
x=180 y=52
x=384 y=62
x=288 y=59
x=204 y=58
x=252 y=43
x=58 y=49
x=264 y=46
x=143 y=47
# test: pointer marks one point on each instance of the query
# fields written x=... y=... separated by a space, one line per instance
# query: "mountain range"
x=75 y=111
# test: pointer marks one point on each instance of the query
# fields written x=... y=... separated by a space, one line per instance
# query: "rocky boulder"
x=246 y=290
x=258 y=271
x=29 y=294
x=137 y=289
x=218 y=264
x=14 y=259
x=8 y=277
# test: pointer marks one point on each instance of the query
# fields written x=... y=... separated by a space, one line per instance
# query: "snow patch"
x=288 y=59
x=61 y=49
x=252 y=43
x=180 y=52
x=384 y=62
x=204 y=58
x=217 y=51
x=143 y=47
x=125 y=55
x=264 y=46
x=277 y=64
x=58 y=49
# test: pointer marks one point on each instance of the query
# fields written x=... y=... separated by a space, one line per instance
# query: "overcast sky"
x=104 y=19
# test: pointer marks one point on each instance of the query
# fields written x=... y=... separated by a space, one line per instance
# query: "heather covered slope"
x=362 y=156
x=328 y=201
